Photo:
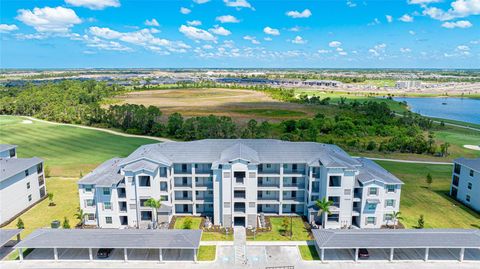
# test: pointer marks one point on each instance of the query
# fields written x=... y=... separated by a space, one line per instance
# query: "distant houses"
x=22 y=183
x=465 y=185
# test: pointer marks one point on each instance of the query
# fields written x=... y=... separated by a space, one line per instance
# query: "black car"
x=363 y=253
x=103 y=253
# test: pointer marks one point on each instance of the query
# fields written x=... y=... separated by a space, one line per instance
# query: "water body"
x=462 y=109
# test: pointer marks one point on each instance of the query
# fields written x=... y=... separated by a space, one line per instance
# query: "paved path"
x=239 y=244
x=161 y=139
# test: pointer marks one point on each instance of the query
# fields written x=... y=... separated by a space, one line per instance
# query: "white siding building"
x=466 y=182
x=22 y=183
x=234 y=180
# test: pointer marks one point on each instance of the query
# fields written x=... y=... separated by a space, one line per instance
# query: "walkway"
x=239 y=244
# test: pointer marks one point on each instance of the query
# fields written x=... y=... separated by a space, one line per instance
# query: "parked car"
x=104 y=253
x=363 y=253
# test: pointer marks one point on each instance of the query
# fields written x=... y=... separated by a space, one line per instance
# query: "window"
x=184 y=167
x=146 y=215
x=388 y=217
x=39 y=168
x=294 y=167
x=12 y=153
x=455 y=181
x=88 y=188
x=108 y=220
x=163 y=172
x=335 y=181
x=389 y=203
x=144 y=181
x=371 y=206
x=89 y=202
x=29 y=197
x=471 y=172
x=164 y=197
x=26 y=173
x=90 y=217
x=469 y=186
x=457 y=168
x=467 y=198
x=41 y=180
x=142 y=201
x=333 y=217
x=28 y=185
x=268 y=165
x=370 y=220
x=106 y=191
x=373 y=191
x=107 y=206
x=390 y=188
x=163 y=186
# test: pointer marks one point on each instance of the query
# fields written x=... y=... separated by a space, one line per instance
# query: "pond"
x=461 y=109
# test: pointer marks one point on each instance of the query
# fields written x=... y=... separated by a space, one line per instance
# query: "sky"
x=240 y=34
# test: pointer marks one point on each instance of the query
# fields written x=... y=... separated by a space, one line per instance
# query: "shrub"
x=66 y=223
x=187 y=224
x=20 y=224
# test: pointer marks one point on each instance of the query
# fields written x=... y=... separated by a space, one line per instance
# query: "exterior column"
x=426 y=254
x=160 y=255
x=55 y=254
x=462 y=254
x=195 y=255
x=125 y=255
x=391 y=254
x=322 y=254
x=20 y=254
x=356 y=255
x=90 y=255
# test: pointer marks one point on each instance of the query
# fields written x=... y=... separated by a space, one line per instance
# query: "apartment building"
x=22 y=183
x=232 y=181
x=465 y=185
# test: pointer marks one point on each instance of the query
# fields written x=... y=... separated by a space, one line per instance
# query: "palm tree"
x=396 y=217
x=80 y=215
x=154 y=204
x=324 y=208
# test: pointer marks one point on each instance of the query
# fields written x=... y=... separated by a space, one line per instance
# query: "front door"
x=239 y=221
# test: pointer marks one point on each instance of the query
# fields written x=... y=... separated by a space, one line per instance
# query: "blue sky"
x=240 y=33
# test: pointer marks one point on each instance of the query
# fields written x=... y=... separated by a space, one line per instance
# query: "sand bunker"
x=27 y=121
x=474 y=147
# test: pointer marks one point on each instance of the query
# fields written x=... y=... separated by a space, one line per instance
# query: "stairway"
x=239 y=244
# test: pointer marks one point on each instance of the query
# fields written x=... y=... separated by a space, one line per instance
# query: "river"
x=461 y=109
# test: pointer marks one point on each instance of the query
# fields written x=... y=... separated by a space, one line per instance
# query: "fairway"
x=439 y=210
x=239 y=104
x=67 y=150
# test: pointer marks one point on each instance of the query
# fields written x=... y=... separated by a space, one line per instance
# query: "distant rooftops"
x=13 y=166
x=5 y=147
x=470 y=163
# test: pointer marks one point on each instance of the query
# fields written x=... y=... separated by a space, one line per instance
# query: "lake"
x=462 y=109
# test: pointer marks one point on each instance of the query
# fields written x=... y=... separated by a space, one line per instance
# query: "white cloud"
x=227 y=19
x=48 y=19
x=294 y=29
x=207 y=47
x=95 y=42
x=94 y=4
x=457 y=24
x=350 y=3
x=196 y=33
x=201 y=1
x=374 y=22
x=154 y=31
x=6 y=28
x=343 y=53
x=271 y=31
x=420 y=2
x=458 y=9
x=378 y=49
x=252 y=39
x=238 y=3
x=219 y=30
x=389 y=18
x=335 y=44
x=296 y=14
x=405 y=50
x=152 y=22
x=194 y=23
x=299 y=40
x=406 y=18
x=322 y=51
x=412 y=32
x=185 y=10
x=267 y=38
x=463 y=48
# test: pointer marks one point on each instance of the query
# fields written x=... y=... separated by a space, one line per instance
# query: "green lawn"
x=180 y=223
x=271 y=112
x=458 y=137
x=206 y=236
x=463 y=123
x=207 y=253
x=67 y=150
x=439 y=210
x=309 y=253
x=300 y=233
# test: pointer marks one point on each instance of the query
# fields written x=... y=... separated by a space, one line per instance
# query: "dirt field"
x=239 y=104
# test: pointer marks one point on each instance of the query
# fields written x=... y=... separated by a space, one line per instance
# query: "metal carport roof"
x=112 y=238
x=7 y=234
x=402 y=238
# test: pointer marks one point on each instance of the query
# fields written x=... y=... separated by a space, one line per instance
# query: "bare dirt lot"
x=237 y=103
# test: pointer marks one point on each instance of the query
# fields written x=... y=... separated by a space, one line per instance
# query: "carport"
x=402 y=244
x=127 y=244
x=6 y=242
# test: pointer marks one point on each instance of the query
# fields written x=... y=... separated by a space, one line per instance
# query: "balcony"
x=300 y=199
x=300 y=185
x=268 y=184
x=180 y=184
x=121 y=193
x=294 y=171
x=204 y=184
x=41 y=180
x=239 y=208
x=182 y=198
x=239 y=194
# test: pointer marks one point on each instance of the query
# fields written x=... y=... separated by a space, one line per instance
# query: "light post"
x=291 y=227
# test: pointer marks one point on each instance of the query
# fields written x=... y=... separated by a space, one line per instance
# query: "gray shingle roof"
x=371 y=171
x=112 y=238
x=402 y=238
x=7 y=234
x=257 y=150
x=4 y=147
x=470 y=163
x=12 y=166
x=104 y=175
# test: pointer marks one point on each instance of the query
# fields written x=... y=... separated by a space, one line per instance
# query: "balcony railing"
x=297 y=185
x=184 y=185
x=269 y=184
x=295 y=199
x=181 y=198
x=239 y=209
x=207 y=184
x=268 y=198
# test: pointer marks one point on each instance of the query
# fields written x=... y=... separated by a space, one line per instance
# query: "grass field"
x=207 y=253
x=180 y=223
x=206 y=236
x=300 y=233
x=308 y=253
x=439 y=210
x=458 y=137
x=67 y=150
